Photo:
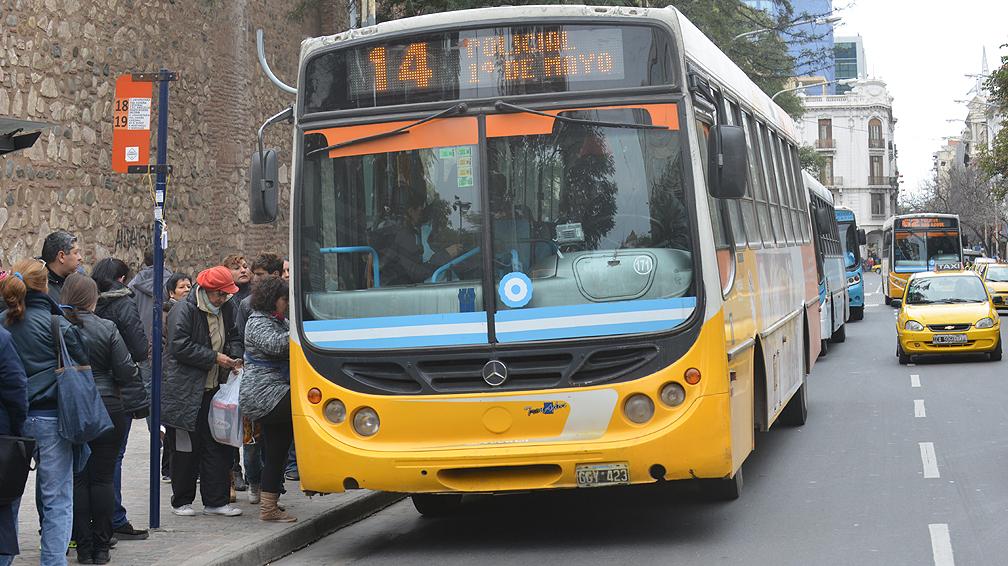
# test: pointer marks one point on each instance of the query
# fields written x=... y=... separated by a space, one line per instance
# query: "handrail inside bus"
x=358 y=249
x=439 y=271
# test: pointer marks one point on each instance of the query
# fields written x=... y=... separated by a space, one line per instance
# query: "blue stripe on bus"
x=584 y=331
x=596 y=308
x=393 y=321
x=408 y=342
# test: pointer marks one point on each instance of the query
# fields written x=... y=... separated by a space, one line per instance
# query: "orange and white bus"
x=541 y=247
x=918 y=242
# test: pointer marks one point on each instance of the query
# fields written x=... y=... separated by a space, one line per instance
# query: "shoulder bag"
x=81 y=412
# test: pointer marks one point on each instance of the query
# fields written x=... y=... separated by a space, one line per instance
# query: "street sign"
x=131 y=124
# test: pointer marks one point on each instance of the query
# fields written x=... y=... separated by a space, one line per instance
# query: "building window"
x=826 y=172
x=878 y=204
x=825 y=129
x=875 y=134
x=875 y=171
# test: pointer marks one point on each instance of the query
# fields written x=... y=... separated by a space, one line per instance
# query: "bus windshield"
x=582 y=217
x=851 y=249
x=954 y=289
x=922 y=250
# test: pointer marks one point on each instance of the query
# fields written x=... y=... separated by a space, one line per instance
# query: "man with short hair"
x=62 y=257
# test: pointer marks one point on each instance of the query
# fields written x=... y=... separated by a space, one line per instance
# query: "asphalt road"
x=890 y=469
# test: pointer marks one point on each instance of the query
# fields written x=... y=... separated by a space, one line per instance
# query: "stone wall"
x=59 y=60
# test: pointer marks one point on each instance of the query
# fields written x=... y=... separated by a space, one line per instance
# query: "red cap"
x=217 y=279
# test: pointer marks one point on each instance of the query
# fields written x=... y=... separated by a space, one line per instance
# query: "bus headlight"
x=673 y=394
x=365 y=421
x=639 y=408
x=913 y=326
x=985 y=323
x=335 y=411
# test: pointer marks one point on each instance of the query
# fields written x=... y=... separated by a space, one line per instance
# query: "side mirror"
x=896 y=303
x=729 y=164
x=861 y=237
x=263 y=187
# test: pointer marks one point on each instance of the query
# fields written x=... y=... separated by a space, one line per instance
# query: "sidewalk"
x=204 y=540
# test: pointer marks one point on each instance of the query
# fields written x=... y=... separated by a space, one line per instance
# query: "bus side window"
x=757 y=181
x=801 y=197
x=771 y=186
x=792 y=193
x=785 y=198
x=735 y=206
x=722 y=241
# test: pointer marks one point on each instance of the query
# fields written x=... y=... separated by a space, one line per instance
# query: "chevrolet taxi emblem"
x=949 y=327
x=495 y=373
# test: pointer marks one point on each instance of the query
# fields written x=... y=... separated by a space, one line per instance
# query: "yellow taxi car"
x=947 y=312
x=995 y=276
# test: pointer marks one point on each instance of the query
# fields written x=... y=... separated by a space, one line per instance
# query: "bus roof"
x=816 y=188
x=696 y=46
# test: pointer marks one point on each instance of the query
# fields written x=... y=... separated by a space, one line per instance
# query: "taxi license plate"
x=597 y=475
x=948 y=339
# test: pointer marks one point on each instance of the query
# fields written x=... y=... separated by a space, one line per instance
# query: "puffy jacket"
x=267 y=364
x=117 y=305
x=13 y=388
x=55 y=285
x=143 y=293
x=115 y=373
x=33 y=341
x=241 y=319
x=189 y=357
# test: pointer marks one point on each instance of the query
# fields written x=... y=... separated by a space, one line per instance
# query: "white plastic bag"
x=225 y=416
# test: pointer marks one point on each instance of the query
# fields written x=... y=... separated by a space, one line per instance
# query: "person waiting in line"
x=177 y=286
x=201 y=354
x=242 y=278
x=29 y=319
x=62 y=256
x=265 y=393
x=116 y=302
x=264 y=266
x=142 y=286
x=13 y=412
x=117 y=378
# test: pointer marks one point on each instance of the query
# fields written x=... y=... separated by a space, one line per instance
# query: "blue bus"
x=852 y=237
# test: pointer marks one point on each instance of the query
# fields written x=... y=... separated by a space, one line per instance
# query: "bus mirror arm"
x=728 y=161
x=264 y=175
x=261 y=51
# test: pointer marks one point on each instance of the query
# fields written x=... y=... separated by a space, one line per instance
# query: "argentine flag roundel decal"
x=515 y=290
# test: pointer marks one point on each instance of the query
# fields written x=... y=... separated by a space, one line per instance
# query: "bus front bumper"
x=696 y=445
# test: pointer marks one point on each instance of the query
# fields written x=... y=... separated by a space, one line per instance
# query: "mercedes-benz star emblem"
x=495 y=373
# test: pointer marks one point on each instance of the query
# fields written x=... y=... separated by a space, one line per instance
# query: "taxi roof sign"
x=949 y=266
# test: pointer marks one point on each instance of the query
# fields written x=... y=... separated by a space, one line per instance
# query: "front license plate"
x=948 y=339
x=597 y=475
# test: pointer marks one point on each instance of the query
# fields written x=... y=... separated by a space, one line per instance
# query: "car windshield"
x=851 y=249
x=997 y=273
x=946 y=290
x=923 y=250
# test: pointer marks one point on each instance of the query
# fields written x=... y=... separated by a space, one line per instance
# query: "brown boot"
x=268 y=510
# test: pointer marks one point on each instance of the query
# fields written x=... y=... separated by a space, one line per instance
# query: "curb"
x=303 y=533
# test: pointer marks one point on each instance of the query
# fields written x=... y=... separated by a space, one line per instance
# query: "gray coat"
x=267 y=365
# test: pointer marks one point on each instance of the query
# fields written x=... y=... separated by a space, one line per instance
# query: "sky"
x=923 y=50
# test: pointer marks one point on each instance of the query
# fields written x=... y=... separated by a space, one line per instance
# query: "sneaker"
x=224 y=510
x=253 y=493
x=112 y=541
x=101 y=557
x=165 y=479
x=293 y=475
x=127 y=532
x=184 y=511
x=239 y=482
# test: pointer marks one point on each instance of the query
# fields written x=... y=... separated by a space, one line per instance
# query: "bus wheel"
x=796 y=411
x=840 y=335
x=888 y=301
x=995 y=355
x=904 y=358
x=857 y=313
x=436 y=505
x=723 y=489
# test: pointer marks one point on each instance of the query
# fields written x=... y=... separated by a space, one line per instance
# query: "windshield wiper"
x=457 y=109
x=501 y=105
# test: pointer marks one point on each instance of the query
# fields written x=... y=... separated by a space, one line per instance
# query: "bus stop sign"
x=131 y=124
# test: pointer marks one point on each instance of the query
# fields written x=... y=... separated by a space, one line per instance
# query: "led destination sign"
x=486 y=63
x=928 y=223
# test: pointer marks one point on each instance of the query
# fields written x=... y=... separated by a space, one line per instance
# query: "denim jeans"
x=252 y=453
x=291 y=460
x=54 y=486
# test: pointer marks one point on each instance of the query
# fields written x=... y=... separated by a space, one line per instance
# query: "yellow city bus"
x=509 y=269
x=918 y=242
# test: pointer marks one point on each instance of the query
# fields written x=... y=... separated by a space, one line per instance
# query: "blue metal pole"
x=159 y=289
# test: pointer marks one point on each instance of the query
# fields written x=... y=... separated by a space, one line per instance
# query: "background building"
x=854 y=133
x=849 y=61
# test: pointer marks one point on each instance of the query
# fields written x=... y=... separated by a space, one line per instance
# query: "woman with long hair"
x=30 y=319
x=118 y=379
x=265 y=391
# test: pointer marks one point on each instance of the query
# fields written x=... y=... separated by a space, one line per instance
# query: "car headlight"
x=853 y=280
x=913 y=326
x=985 y=323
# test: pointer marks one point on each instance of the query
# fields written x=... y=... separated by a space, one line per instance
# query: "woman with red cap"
x=202 y=351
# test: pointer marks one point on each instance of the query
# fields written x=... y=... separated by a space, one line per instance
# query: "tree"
x=963 y=190
x=811 y=160
x=994 y=160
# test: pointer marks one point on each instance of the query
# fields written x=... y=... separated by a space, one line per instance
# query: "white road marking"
x=929 y=460
x=919 y=408
x=941 y=544
x=914 y=380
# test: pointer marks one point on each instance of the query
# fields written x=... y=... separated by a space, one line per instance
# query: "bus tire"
x=857 y=313
x=437 y=505
x=995 y=355
x=723 y=489
x=839 y=335
x=796 y=411
x=888 y=301
x=904 y=358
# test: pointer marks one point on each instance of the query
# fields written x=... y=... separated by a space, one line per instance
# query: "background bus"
x=917 y=242
x=851 y=240
x=834 y=303
x=555 y=284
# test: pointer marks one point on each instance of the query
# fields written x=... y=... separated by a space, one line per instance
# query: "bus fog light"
x=335 y=411
x=985 y=323
x=913 y=326
x=673 y=394
x=638 y=408
x=692 y=376
x=365 y=421
x=314 y=396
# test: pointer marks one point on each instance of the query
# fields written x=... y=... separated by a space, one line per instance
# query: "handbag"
x=15 y=463
x=82 y=415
